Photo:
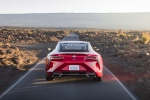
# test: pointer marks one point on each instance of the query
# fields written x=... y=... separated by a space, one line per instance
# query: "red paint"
x=88 y=63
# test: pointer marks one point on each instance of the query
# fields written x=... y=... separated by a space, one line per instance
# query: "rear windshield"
x=73 y=47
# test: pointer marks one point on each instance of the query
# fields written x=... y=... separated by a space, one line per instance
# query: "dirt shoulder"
x=27 y=56
x=126 y=54
x=22 y=48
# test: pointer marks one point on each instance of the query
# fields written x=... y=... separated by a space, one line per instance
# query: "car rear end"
x=82 y=63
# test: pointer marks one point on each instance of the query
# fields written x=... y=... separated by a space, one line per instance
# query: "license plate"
x=73 y=67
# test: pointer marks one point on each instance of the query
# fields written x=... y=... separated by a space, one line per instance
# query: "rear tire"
x=49 y=78
x=97 y=79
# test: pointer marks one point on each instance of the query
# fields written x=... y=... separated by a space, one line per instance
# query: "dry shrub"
x=145 y=37
x=121 y=34
x=137 y=39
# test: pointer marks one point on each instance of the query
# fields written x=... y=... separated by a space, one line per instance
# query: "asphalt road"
x=33 y=86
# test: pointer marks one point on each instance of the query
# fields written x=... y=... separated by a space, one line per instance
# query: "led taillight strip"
x=91 y=58
x=56 y=58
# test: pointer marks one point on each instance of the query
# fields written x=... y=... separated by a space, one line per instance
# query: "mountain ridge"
x=86 y=20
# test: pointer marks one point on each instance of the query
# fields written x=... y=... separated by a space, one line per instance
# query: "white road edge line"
x=121 y=84
x=29 y=70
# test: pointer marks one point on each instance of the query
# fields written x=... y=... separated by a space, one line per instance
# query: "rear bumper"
x=78 y=74
x=87 y=69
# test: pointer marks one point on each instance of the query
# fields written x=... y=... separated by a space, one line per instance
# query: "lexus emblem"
x=74 y=56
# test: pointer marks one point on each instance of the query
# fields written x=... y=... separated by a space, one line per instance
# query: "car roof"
x=73 y=42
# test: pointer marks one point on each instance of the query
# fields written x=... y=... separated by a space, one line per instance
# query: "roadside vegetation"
x=126 y=53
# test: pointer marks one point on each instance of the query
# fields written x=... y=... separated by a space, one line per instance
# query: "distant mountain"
x=86 y=20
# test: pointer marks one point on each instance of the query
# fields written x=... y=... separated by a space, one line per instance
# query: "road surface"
x=33 y=86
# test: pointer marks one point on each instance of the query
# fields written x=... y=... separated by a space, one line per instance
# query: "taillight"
x=48 y=64
x=97 y=65
x=93 y=58
x=56 y=58
x=46 y=61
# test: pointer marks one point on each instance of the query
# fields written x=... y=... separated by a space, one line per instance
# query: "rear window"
x=73 y=47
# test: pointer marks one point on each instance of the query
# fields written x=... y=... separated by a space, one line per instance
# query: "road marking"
x=29 y=70
x=121 y=84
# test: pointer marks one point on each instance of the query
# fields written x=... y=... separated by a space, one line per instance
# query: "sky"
x=73 y=6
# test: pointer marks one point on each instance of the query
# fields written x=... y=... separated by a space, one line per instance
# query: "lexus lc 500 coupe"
x=74 y=58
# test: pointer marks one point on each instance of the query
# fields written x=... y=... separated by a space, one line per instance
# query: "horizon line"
x=74 y=12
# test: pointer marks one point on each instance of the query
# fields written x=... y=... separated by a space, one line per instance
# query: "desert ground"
x=126 y=53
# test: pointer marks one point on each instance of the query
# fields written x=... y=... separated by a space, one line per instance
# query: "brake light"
x=46 y=61
x=57 y=58
x=48 y=64
x=93 y=58
x=97 y=65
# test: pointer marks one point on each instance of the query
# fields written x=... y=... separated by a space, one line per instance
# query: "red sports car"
x=74 y=58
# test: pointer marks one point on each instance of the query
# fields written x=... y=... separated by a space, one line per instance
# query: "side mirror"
x=49 y=49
